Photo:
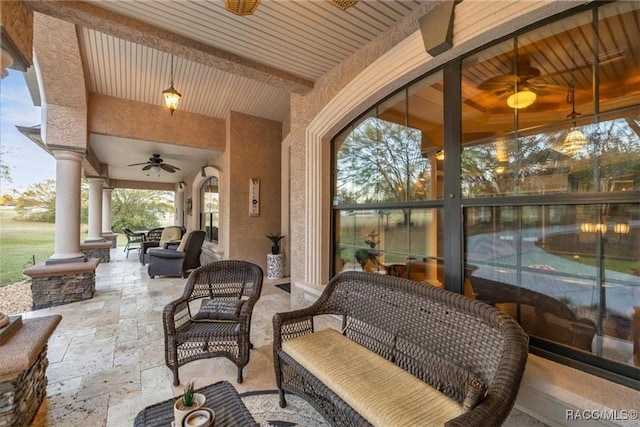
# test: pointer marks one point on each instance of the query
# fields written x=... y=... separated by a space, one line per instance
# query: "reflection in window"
x=210 y=202
x=557 y=143
x=568 y=274
x=550 y=155
x=381 y=161
x=400 y=242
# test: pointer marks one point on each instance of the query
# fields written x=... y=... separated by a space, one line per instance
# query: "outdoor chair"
x=159 y=239
x=213 y=316
x=179 y=261
x=134 y=240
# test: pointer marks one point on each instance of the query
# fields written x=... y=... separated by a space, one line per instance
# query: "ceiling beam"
x=90 y=16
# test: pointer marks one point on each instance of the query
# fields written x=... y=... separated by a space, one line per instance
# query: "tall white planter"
x=275 y=266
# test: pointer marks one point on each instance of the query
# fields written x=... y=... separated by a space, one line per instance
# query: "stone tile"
x=71 y=385
x=74 y=412
x=120 y=379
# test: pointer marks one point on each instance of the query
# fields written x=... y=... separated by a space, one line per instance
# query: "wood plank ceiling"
x=302 y=38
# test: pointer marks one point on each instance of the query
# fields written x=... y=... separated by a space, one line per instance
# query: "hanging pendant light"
x=171 y=95
x=242 y=7
x=575 y=140
x=345 y=4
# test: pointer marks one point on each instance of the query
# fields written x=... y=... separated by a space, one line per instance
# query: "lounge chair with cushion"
x=180 y=261
x=162 y=237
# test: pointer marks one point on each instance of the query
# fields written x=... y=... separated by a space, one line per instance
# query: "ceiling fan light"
x=344 y=4
x=621 y=227
x=521 y=99
x=171 y=98
x=574 y=142
x=242 y=7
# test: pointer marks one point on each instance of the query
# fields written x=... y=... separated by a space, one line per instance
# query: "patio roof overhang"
x=222 y=63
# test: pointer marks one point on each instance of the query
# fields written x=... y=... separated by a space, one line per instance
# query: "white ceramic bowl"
x=202 y=417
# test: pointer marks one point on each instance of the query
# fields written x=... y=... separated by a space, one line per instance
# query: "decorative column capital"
x=67 y=153
x=100 y=179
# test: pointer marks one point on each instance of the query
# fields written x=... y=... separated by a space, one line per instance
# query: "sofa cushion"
x=380 y=391
x=216 y=311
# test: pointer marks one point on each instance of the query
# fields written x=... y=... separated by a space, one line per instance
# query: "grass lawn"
x=20 y=241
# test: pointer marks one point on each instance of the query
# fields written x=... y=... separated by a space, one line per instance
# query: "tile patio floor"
x=106 y=358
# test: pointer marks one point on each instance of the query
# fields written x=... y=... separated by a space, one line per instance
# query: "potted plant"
x=275 y=242
x=189 y=401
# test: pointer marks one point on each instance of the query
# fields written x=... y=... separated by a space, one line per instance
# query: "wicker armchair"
x=189 y=337
x=134 y=240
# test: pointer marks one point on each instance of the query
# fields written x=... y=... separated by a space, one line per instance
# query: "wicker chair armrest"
x=150 y=244
x=175 y=315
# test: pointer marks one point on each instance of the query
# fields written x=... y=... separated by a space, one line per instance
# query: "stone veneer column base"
x=100 y=250
x=111 y=237
x=60 y=284
x=23 y=365
x=22 y=396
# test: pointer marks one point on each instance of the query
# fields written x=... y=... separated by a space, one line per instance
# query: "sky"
x=28 y=163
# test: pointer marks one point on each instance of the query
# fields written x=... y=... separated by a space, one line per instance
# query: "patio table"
x=222 y=398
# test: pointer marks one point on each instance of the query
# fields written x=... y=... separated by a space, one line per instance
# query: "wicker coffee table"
x=222 y=397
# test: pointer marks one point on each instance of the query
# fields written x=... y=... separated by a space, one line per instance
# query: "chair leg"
x=176 y=379
x=282 y=402
x=240 y=376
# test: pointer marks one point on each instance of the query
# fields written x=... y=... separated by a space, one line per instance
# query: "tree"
x=38 y=202
x=139 y=209
x=5 y=170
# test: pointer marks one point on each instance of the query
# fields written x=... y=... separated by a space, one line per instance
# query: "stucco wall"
x=17 y=22
x=254 y=152
x=62 y=86
x=113 y=116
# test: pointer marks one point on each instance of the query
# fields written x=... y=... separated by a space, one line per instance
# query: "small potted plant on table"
x=189 y=401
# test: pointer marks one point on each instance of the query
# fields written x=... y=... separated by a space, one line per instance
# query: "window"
x=388 y=179
x=549 y=178
x=210 y=215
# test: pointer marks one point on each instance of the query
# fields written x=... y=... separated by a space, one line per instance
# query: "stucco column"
x=106 y=210
x=178 y=202
x=67 y=228
x=95 y=209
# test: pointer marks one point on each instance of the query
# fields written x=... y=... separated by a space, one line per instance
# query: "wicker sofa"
x=408 y=354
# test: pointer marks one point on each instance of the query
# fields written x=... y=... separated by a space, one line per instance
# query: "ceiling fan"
x=520 y=89
x=157 y=163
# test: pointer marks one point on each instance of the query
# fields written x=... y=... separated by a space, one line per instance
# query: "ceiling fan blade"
x=169 y=168
x=146 y=168
x=499 y=81
x=138 y=164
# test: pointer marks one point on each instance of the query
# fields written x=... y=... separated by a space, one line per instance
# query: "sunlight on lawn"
x=20 y=241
